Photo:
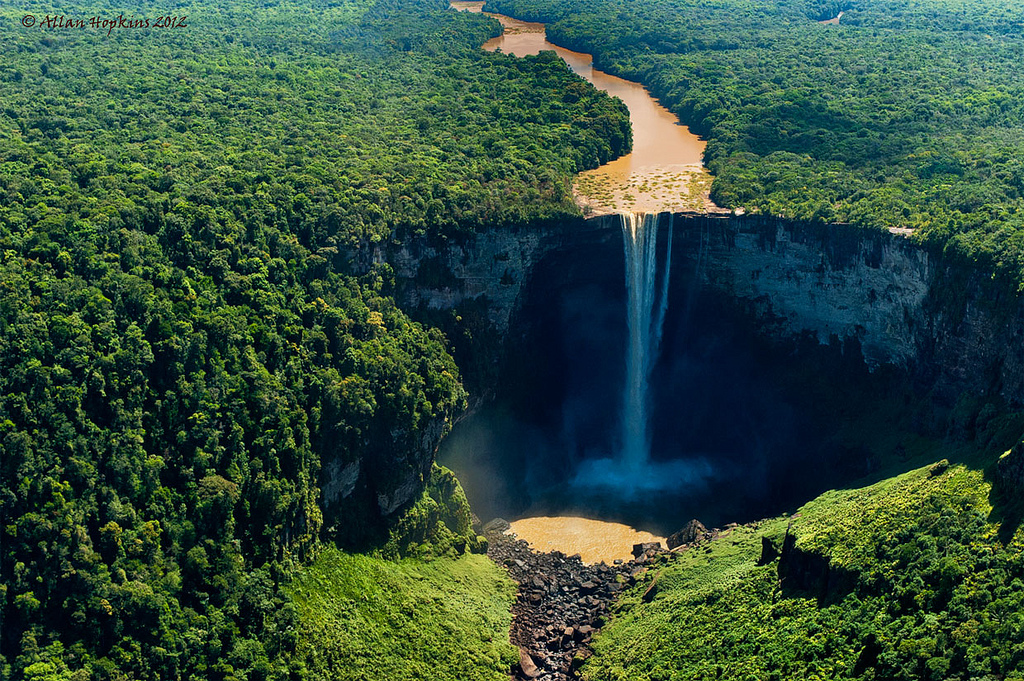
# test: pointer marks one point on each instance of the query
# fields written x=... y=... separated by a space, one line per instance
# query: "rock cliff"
x=950 y=327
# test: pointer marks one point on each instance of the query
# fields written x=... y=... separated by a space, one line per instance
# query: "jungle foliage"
x=184 y=341
x=906 y=114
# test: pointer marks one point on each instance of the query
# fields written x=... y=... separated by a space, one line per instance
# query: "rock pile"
x=561 y=602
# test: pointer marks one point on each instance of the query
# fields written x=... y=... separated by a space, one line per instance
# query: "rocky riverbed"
x=562 y=601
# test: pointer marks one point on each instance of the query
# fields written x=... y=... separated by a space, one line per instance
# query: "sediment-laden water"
x=664 y=171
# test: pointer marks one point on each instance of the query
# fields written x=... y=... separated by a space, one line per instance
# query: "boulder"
x=481 y=544
x=938 y=468
x=693 y=531
x=496 y=526
x=527 y=665
x=637 y=574
x=641 y=549
x=579 y=658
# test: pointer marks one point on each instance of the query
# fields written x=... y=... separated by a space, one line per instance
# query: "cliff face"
x=950 y=327
x=487 y=269
x=953 y=327
x=825 y=280
x=490 y=265
x=362 y=491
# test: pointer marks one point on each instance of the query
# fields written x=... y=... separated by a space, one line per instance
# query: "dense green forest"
x=184 y=343
x=908 y=113
x=187 y=344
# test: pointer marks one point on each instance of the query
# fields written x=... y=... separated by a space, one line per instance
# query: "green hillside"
x=919 y=585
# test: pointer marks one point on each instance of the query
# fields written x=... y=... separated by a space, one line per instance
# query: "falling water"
x=645 y=316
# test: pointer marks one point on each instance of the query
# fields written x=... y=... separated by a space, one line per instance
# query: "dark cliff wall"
x=951 y=325
x=481 y=275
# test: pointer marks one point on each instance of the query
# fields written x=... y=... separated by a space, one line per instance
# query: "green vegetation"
x=367 y=618
x=909 y=113
x=192 y=329
x=185 y=339
x=933 y=594
x=419 y=608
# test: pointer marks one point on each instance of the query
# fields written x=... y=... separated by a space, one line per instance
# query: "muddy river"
x=664 y=171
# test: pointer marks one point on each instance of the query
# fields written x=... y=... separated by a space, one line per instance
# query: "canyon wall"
x=487 y=270
x=829 y=281
x=492 y=265
x=952 y=326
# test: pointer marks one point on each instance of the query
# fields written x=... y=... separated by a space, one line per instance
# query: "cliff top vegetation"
x=903 y=115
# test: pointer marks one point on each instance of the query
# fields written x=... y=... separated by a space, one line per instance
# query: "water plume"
x=646 y=306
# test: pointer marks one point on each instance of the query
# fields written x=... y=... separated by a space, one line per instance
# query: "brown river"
x=664 y=171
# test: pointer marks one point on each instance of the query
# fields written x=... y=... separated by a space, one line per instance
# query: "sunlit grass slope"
x=933 y=593
x=367 y=618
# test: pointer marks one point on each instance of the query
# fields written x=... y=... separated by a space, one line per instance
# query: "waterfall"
x=645 y=317
x=631 y=474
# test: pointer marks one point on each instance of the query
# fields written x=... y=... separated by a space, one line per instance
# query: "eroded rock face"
x=810 y=573
x=693 y=531
x=362 y=491
x=951 y=327
x=339 y=481
x=490 y=264
x=828 y=280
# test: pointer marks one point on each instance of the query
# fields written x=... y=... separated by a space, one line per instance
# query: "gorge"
x=301 y=304
x=873 y=301
x=560 y=443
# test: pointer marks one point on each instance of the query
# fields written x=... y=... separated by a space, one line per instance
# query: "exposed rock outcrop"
x=693 y=531
x=769 y=552
x=811 y=573
x=561 y=604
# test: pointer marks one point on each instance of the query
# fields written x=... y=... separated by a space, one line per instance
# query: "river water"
x=664 y=171
x=594 y=540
